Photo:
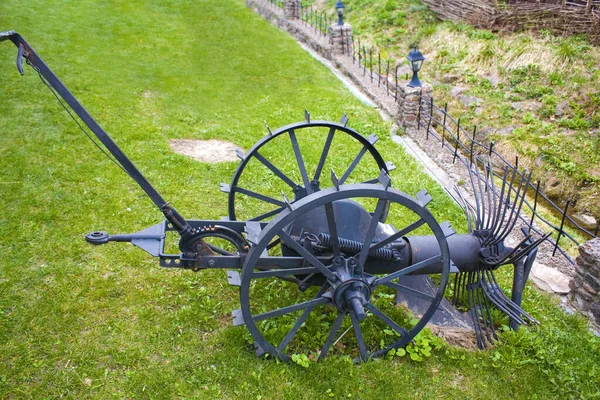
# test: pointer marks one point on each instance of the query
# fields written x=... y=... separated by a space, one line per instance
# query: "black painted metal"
x=309 y=183
x=325 y=238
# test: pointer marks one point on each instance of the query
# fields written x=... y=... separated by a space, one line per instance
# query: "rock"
x=507 y=130
x=456 y=90
x=549 y=279
x=450 y=78
x=526 y=105
x=586 y=221
x=562 y=108
x=467 y=100
x=493 y=79
x=595 y=310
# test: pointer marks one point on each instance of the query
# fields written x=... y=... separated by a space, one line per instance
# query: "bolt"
x=211 y=263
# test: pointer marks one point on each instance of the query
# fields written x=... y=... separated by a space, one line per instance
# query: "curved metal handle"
x=18 y=41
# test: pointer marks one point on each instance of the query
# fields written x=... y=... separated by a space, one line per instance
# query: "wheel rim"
x=283 y=322
x=314 y=149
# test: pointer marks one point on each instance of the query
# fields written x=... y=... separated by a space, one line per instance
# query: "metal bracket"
x=344 y=120
x=423 y=198
x=253 y=230
x=238 y=318
x=234 y=279
x=225 y=188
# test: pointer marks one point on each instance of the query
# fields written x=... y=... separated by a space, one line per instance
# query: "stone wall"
x=585 y=286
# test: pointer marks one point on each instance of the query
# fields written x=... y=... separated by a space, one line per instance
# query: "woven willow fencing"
x=558 y=16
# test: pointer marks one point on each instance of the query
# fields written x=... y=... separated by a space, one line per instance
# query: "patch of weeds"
x=482 y=34
x=549 y=102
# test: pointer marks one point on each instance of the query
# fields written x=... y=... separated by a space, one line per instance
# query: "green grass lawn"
x=78 y=321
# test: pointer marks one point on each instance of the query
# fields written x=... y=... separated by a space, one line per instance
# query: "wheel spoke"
x=410 y=291
x=335 y=242
x=408 y=270
x=381 y=315
x=299 y=322
x=397 y=235
x=307 y=255
x=289 y=309
x=362 y=348
x=334 y=330
x=324 y=154
x=268 y=214
x=283 y=272
x=370 y=234
x=355 y=162
x=275 y=170
x=259 y=196
x=300 y=162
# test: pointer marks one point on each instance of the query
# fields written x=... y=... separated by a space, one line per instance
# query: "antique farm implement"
x=321 y=267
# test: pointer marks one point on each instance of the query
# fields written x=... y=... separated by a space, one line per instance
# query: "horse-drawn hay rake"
x=319 y=269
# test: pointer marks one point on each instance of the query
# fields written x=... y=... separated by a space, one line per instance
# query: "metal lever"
x=20 y=59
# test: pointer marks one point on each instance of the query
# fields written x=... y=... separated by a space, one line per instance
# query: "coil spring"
x=352 y=246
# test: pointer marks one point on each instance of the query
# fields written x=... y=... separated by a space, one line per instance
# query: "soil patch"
x=210 y=151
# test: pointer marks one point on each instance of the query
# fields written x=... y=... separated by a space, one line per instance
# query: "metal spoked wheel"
x=346 y=301
x=293 y=160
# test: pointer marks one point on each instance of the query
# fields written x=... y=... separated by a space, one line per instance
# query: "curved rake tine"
x=484 y=310
x=493 y=188
x=476 y=197
x=500 y=211
x=488 y=307
x=460 y=203
x=500 y=302
x=514 y=216
x=515 y=251
x=511 y=303
x=486 y=190
x=466 y=209
x=527 y=249
x=362 y=347
x=473 y=310
x=334 y=330
x=507 y=206
x=481 y=195
x=299 y=322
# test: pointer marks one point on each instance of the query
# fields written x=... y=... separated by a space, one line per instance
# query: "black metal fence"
x=452 y=136
x=463 y=144
x=319 y=20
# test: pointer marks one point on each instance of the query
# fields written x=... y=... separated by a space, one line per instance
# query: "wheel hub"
x=352 y=292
